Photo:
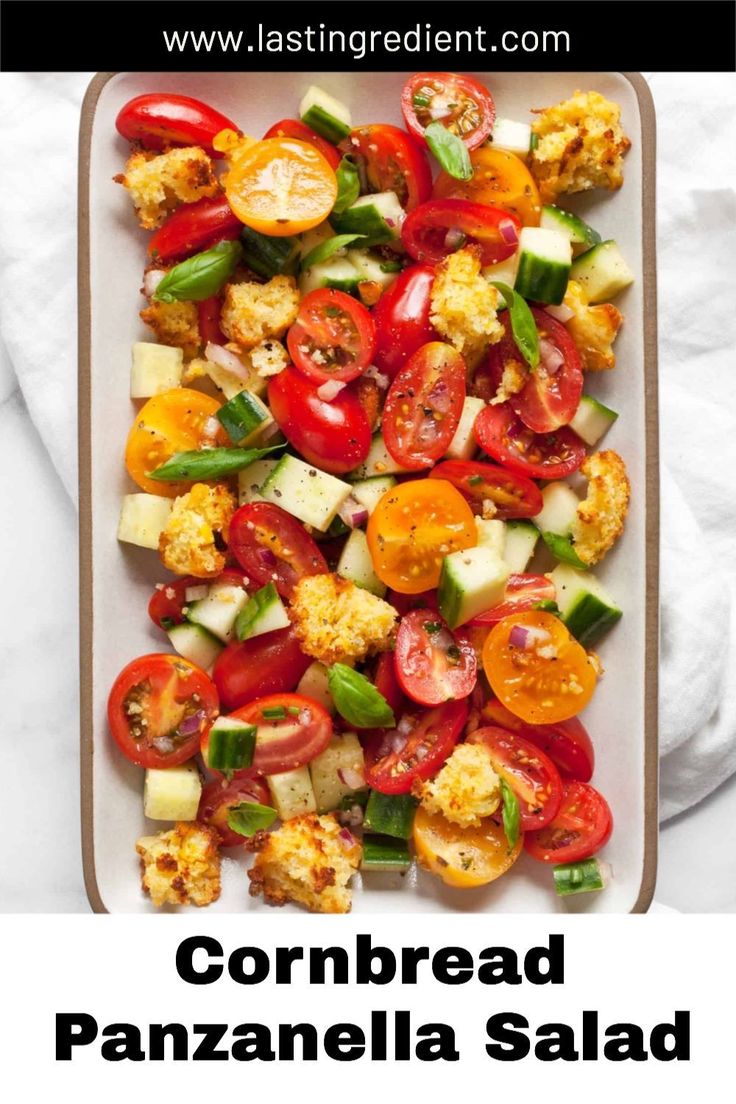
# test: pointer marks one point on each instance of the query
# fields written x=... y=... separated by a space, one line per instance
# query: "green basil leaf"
x=450 y=151
x=214 y=463
x=523 y=326
x=247 y=818
x=510 y=814
x=357 y=700
x=348 y=185
x=200 y=276
x=327 y=248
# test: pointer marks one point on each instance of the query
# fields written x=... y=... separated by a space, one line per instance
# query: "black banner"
x=78 y=35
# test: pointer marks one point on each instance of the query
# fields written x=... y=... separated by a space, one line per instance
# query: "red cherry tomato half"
x=208 y=319
x=461 y=104
x=433 y=664
x=528 y=771
x=158 y=708
x=193 y=228
x=333 y=337
x=401 y=318
x=405 y=603
x=566 y=742
x=160 y=119
x=423 y=406
x=442 y=226
x=268 y=664
x=219 y=797
x=292 y=729
x=514 y=496
x=551 y=394
x=500 y=433
x=392 y=161
x=272 y=546
x=414 y=750
x=295 y=128
x=523 y=592
x=168 y=599
x=387 y=683
x=334 y=436
x=581 y=827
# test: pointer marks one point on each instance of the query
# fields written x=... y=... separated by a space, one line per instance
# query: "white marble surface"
x=40 y=861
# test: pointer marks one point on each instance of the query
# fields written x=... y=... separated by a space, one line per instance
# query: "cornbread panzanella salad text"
x=364 y=411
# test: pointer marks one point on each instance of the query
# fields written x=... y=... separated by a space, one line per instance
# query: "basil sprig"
x=200 y=276
x=348 y=185
x=523 y=326
x=248 y=817
x=510 y=814
x=450 y=151
x=357 y=700
x=327 y=248
x=214 y=463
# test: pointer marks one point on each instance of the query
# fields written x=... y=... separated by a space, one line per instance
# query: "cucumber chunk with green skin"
x=390 y=814
x=323 y=113
x=243 y=417
x=252 y=479
x=337 y=772
x=372 y=269
x=578 y=233
x=195 y=643
x=377 y=218
x=269 y=256
x=218 y=611
x=563 y=550
x=356 y=564
x=592 y=420
x=336 y=272
x=521 y=540
x=491 y=534
x=381 y=853
x=586 y=607
x=602 y=272
x=369 y=492
x=504 y=272
x=379 y=461
x=263 y=612
x=559 y=509
x=471 y=581
x=545 y=257
x=581 y=877
x=230 y=745
x=311 y=495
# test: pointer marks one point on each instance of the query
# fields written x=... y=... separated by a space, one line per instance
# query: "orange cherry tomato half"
x=500 y=179
x=158 y=708
x=462 y=857
x=530 y=773
x=179 y=420
x=582 y=826
x=537 y=669
x=280 y=186
x=413 y=527
x=423 y=406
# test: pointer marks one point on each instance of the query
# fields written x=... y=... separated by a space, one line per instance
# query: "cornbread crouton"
x=196 y=533
x=338 y=622
x=181 y=866
x=593 y=329
x=580 y=145
x=465 y=790
x=463 y=305
x=175 y=324
x=269 y=357
x=601 y=515
x=309 y=860
x=253 y=312
x=160 y=183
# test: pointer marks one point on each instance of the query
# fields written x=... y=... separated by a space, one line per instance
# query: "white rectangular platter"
x=117 y=579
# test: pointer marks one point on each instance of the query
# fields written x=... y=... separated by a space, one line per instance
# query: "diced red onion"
x=560 y=311
x=398 y=741
x=352 y=777
x=218 y=354
x=164 y=744
x=196 y=593
x=330 y=390
x=151 y=280
x=267 y=558
x=305 y=716
x=551 y=356
x=518 y=637
x=192 y=723
x=210 y=428
x=352 y=513
x=405 y=725
x=439 y=398
x=381 y=379
x=454 y=239
x=347 y=839
x=508 y=232
x=421 y=752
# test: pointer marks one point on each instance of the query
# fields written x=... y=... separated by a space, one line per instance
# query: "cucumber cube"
x=252 y=478
x=491 y=534
x=196 y=644
x=471 y=581
x=143 y=517
x=263 y=612
x=463 y=446
x=356 y=564
x=172 y=793
x=244 y=417
x=559 y=510
x=586 y=607
x=155 y=369
x=343 y=754
x=292 y=793
x=311 y=495
x=602 y=272
x=592 y=420
x=323 y=113
x=314 y=684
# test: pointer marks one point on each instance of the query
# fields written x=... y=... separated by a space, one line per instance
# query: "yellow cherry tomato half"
x=413 y=527
x=280 y=186
x=500 y=179
x=537 y=669
x=463 y=857
x=176 y=421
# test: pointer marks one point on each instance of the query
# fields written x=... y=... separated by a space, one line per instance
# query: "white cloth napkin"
x=697 y=323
